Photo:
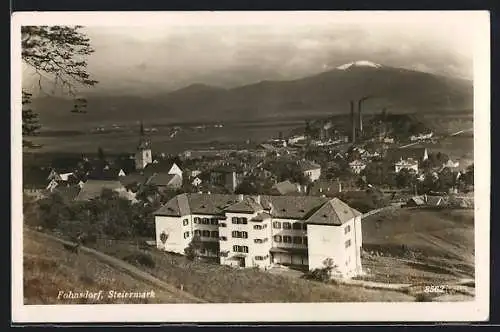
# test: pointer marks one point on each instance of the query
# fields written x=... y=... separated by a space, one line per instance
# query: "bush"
x=423 y=297
x=141 y=259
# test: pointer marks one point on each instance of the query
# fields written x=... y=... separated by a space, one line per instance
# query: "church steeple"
x=143 y=156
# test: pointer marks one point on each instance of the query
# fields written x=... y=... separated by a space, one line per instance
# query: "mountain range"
x=327 y=93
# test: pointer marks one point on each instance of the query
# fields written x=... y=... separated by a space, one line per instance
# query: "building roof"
x=334 y=212
x=285 y=187
x=162 y=166
x=261 y=217
x=248 y=205
x=434 y=200
x=286 y=207
x=161 y=179
x=109 y=174
x=93 y=189
x=324 y=187
x=418 y=200
x=395 y=154
x=307 y=165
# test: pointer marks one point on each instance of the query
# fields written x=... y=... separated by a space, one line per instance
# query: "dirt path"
x=123 y=266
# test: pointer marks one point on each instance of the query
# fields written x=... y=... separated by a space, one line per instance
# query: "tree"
x=192 y=249
x=405 y=178
x=323 y=274
x=30 y=119
x=57 y=53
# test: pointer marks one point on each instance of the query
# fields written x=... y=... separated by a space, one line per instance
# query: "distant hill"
x=327 y=93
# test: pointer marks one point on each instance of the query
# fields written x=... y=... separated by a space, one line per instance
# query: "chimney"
x=360 y=118
x=353 y=123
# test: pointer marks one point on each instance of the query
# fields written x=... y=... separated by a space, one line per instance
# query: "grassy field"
x=439 y=245
x=223 y=284
x=49 y=268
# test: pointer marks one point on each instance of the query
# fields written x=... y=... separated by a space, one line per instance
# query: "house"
x=453 y=165
x=228 y=176
x=309 y=169
x=325 y=187
x=260 y=231
x=357 y=166
x=408 y=164
x=421 y=136
x=163 y=181
x=397 y=154
x=163 y=166
x=196 y=182
x=93 y=189
x=286 y=188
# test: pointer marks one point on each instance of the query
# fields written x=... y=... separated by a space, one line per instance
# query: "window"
x=287 y=239
x=196 y=220
x=223 y=238
x=297 y=226
x=257 y=241
x=277 y=238
x=304 y=240
x=223 y=224
x=186 y=235
x=223 y=254
x=304 y=226
x=347 y=229
x=205 y=233
x=185 y=222
x=214 y=234
x=244 y=221
x=259 y=258
x=348 y=243
x=241 y=235
x=234 y=220
x=297 y=239
x=277 y=225
x=287 y=225
x=205 y=221
x=197 y=232
x=243 y=249
x=214 y=221
x=257 y=227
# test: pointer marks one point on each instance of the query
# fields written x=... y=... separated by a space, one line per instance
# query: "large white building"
x=259 y=231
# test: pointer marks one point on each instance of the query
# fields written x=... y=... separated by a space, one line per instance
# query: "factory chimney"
x=353 y=123
x=360 y=118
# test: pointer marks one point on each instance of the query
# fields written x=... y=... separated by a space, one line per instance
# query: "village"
x=320 y=179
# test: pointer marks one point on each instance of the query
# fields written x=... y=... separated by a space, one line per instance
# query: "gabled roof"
x=285 y=187
x=291 y=207
x=93 y=189
x=162 y=166
x=306 y=165
x=161 y=179
x=334 y=212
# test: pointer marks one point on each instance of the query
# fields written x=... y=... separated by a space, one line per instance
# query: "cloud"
x=139 y=59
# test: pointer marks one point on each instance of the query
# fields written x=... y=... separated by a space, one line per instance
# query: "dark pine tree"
x=30 y=119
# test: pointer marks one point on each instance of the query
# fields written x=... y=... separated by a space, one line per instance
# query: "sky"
x=140 y=58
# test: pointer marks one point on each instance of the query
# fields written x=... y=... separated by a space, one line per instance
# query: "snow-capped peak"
x=362 y=63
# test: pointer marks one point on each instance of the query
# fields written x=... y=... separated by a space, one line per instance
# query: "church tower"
x=143 y=155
